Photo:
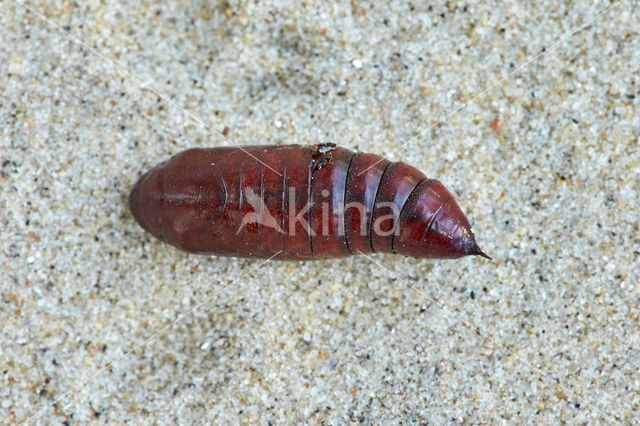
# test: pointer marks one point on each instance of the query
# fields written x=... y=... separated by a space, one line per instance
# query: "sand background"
x=101 y=322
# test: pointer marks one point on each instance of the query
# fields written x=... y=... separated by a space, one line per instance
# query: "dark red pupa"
x=299 y=202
